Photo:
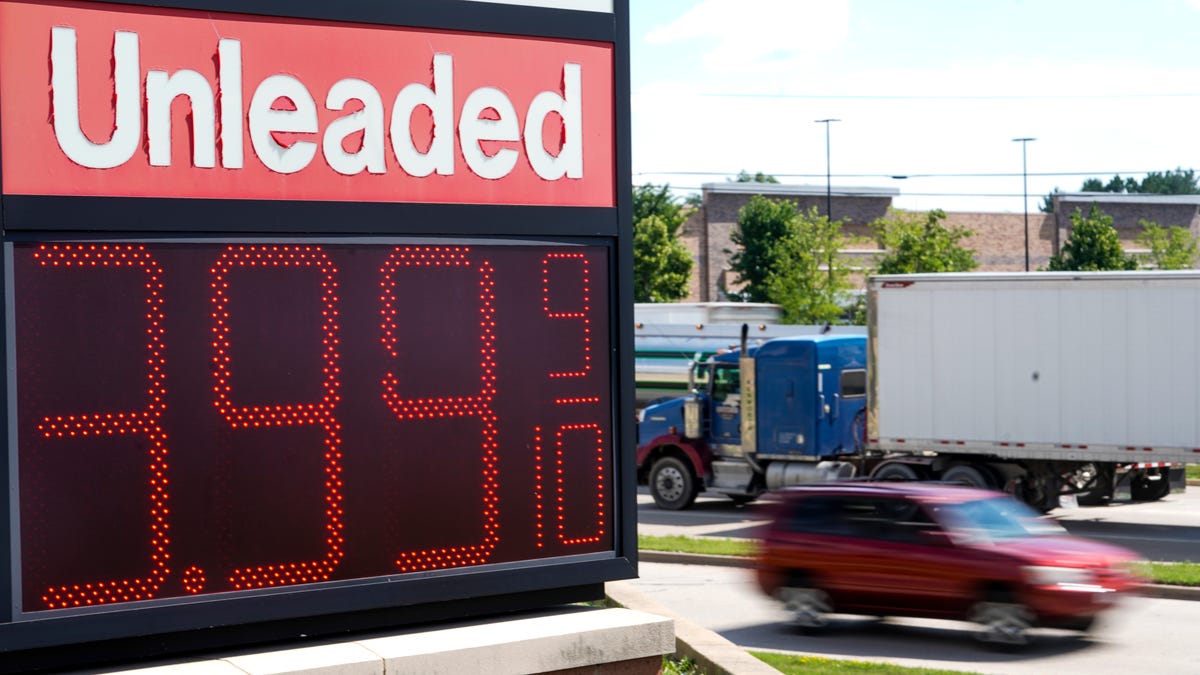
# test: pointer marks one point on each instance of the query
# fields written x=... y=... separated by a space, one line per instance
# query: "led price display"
x=205 y=417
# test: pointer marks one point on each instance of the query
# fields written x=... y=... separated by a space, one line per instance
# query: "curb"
x=712 y=654
x=1161 y=591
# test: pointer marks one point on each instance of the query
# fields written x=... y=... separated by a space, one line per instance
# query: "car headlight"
x=1045 y=575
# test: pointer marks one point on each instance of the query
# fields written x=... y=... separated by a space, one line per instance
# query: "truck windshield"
x=995 y=519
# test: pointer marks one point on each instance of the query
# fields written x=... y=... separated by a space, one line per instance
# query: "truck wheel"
x=895 y=472
x=672 y=484
x=1144 y=489
x=1093 y=483
x=971 y=476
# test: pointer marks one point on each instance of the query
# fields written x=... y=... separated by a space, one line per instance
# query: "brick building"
x=998 y=238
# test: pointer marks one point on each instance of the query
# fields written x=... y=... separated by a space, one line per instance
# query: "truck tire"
x=672 y=484
x=1094 y=492
x=1143 y=489
x=895 y=472
x=971 y=476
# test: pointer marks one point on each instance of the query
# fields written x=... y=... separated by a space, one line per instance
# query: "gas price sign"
x=294 y=338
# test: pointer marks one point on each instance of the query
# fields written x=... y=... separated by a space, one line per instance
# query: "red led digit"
x=580 y=313
x=318 y=413
x=478 y=404
x=146 y=421
x=592 y=436
x=550 y=478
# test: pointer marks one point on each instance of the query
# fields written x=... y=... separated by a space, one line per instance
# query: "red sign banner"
x=112 y=100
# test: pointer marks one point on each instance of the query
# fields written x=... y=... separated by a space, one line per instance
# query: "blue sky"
x=930 y=89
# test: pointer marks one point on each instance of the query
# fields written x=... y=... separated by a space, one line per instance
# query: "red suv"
x=938 y=551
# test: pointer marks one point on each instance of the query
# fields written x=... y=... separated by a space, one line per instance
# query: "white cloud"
x=759 y=35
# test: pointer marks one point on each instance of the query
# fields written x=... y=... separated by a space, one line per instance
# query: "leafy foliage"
x=1177 y=182
x=682 y=666
x=792 y=259
x=662 y=267
x=1093 y=245
x=1048 y=201
x=808 y=280
x=915 y=243
x=1171 y=248
x=758 y=177
x=762 y=223
x=657 y=200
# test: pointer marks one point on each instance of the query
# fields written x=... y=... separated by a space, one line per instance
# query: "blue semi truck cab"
x=787 y=412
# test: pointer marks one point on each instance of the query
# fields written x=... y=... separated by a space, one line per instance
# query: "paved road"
x=1168 y=530
x=1142 y=635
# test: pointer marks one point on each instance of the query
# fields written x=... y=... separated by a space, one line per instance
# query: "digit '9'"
x=318 y=413
x=477 y=404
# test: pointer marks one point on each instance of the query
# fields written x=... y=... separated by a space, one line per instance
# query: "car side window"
x=893 y=519
x=815 y=515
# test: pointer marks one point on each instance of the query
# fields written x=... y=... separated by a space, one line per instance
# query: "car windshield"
x=995 y=519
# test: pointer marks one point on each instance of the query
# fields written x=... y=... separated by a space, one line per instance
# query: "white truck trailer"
x=1044 y=384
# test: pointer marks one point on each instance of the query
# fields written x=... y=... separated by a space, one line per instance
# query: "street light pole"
x=828 y=175
x=1025 y=193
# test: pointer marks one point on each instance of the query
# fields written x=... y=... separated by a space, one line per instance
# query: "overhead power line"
x=951 y=97
x=903 y=176
x=986 y=195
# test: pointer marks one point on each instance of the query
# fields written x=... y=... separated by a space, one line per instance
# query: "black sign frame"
x=154 y=630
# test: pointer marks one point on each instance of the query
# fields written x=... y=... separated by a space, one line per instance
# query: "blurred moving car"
x=935 y=551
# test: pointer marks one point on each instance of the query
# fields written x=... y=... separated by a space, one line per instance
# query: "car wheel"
x=809 y=606
x=895 y=472
x=1004 y=624
x=971 y=476
x=672 y=484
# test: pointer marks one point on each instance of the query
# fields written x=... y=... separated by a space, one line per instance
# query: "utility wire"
x=903 y=176
x=951 y=97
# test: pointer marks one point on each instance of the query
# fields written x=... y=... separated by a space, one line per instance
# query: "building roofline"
x=1125 y=198
x=784 y=190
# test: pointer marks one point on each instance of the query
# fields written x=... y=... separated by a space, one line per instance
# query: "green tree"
x=1048 y=201
x=759 y=177
x=662 y=266
x=657 y=200
x=1092 y=245
x=1171 y=248
x=762 y=223
x=809 y=279
x=914 y=242
x=1177 y=182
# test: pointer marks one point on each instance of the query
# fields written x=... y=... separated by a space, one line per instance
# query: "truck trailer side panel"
x=1097 y=366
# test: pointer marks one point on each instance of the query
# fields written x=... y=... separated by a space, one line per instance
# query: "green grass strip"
x=706 y=546
x=1174 y=574
x=816 y=665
